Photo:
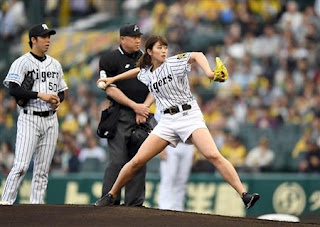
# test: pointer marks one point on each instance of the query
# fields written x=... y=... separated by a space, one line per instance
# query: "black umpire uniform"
x=120 y=149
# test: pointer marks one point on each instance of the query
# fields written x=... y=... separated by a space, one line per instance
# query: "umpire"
x=134 y=100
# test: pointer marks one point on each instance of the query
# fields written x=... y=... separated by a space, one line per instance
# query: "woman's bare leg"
x=150 y=148
x=202 y=139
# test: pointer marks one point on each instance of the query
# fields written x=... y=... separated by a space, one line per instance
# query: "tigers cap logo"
x=45 y=27
x=40 y=30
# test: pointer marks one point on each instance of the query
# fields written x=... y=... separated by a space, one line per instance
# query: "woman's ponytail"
x=144 y=61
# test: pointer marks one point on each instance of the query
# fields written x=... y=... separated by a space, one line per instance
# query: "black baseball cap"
x=40 y=30
x=130 y=30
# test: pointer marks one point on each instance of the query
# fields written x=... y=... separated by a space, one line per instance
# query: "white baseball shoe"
x=4 y=203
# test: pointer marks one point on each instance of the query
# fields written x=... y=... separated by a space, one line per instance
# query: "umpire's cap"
x=130 y=30
x=40 y=30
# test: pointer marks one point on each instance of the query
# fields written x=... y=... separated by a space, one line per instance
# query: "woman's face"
x=158 y=53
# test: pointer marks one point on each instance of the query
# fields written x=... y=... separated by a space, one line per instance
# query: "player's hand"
x=54 y=105
x=140 y=119
x=108 y=81
x=49 y=98
x=141 y=109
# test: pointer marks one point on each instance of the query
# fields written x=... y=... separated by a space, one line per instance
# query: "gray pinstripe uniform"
x=36 y=135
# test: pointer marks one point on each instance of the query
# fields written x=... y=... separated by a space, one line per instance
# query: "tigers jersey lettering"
x=169 y=83
x=47 y=75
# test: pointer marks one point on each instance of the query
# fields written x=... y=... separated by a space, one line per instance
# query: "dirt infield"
x=74 y=215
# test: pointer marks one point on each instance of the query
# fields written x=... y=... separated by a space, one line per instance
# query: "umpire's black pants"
x=120 y=152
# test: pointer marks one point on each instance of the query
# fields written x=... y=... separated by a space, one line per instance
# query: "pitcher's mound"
x=75 y=215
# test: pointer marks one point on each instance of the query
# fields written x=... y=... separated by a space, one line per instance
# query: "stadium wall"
x=295 y=194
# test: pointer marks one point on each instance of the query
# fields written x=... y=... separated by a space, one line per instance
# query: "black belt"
x=40 y=114
x=175 y=109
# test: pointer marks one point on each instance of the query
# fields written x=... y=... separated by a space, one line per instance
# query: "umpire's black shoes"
x=106 y=200
x=250 y=199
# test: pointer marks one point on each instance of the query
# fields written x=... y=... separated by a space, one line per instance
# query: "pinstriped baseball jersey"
x=47 y=77
x=36 y=134
x=169 y=83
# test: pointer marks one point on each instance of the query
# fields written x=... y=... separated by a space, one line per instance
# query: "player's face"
x=159 y=52
x=131 y=44
x=42 y=43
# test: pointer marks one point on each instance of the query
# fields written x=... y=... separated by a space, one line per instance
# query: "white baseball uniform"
x=37 y=126
x=174 y=174
x=170 y=87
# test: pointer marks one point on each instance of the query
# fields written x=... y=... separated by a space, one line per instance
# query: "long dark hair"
x=145 y=60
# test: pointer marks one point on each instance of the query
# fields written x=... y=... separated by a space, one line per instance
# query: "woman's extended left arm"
x=202 y=61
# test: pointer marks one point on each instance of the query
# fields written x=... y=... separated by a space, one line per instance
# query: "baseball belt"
x=175 y=109
x=40 y=114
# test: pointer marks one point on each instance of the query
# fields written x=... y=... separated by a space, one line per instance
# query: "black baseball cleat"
x=250 y=199
x=106 y=200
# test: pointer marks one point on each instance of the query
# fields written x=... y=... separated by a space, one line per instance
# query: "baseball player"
x=37 y=126
x=175 y=168
x=181 y=118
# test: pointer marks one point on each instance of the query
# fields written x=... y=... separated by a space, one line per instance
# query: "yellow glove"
x=220 y=71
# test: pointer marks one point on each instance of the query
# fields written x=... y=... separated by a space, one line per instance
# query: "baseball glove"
x=220 y=71
x=26 y=84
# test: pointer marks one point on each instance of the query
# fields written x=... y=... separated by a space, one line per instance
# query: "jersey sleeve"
x=179 y=63
x=16 y=73
x=143 y=77
x=62 y=84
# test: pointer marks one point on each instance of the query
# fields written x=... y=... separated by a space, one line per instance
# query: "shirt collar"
x=39 y=57
x=123 y=52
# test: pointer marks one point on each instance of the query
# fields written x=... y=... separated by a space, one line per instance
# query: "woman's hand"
x=211 y=75
x=107 y=81
x=141 y=109
x=140 y=119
